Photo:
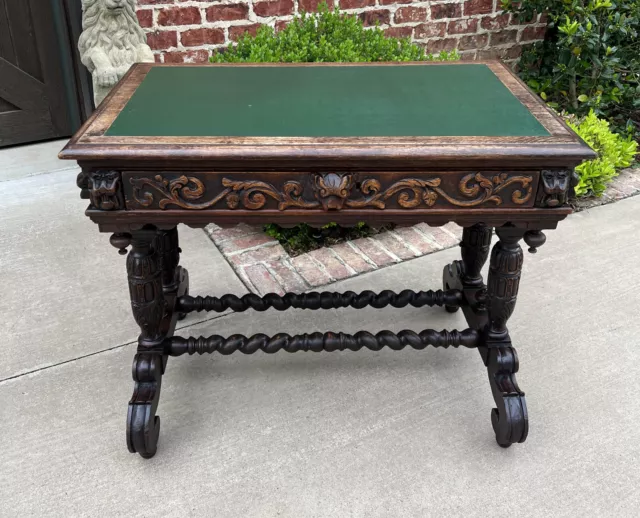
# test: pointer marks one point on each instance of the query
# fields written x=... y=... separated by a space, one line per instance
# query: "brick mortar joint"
x=405 y=243
x=430 y=238
x=318 y=265
x=361 y=254
x=338 y=258
x=380 y=245
x=252 y=19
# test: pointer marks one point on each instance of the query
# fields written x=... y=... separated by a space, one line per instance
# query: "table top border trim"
x=91 y=143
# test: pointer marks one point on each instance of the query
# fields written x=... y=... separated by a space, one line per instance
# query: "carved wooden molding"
x=332 y=191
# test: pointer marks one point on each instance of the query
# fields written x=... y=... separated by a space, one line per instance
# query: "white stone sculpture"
x=112 y=40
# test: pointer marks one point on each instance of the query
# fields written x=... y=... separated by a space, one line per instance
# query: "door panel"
x=35 y=94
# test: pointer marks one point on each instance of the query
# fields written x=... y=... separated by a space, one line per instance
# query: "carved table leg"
x=144 y=268
x=509 y=419
x=466 y=275
x=172 y=273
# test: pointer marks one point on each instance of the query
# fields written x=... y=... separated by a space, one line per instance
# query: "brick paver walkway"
x=265 y=267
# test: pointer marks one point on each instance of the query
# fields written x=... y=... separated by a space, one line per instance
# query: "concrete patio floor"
x=387 y=434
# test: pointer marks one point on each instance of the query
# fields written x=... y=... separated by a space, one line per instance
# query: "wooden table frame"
x=141 y=188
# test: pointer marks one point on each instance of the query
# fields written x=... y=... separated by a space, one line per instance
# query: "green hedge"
x=325 y=36
x=614 y=152
x=589 y=60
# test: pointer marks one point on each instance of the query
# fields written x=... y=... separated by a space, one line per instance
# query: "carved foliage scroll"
x=331 y=192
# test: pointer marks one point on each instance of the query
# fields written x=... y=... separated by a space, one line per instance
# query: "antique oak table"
x=320 y=143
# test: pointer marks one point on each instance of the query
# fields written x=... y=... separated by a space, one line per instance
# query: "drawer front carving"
x=331 y=191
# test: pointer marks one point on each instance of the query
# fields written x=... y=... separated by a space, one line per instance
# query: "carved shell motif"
x=332 y=189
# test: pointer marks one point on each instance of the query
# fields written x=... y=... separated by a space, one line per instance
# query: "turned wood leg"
x=466 y=274
x=172 y=274
x=509 y=419
x=169 y=251
x=475 y=245
x=144 y=268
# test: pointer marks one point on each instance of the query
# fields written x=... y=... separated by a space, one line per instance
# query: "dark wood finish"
x=147 y=301
x=145 y=269
x=121 y=242
x=324 y=300
x=503 y=283
x=141 y=188
x=329 y=191
x=40 y=97
x=318 y=342
x=510 y=421
x=535 y=239
x=465 y=275
x=128 y=221
x=152 y=260
x=488 y=308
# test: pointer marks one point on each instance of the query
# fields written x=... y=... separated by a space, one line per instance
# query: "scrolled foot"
x=143 y=426
x=510 y=421
x=452 y=279
x=510 y=424
x=143 y=431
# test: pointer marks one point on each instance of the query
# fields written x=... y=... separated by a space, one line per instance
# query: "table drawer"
x=331 y=191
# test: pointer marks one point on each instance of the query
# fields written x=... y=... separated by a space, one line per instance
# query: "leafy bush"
x=614 y=151
x=327 y=36
x=589 y=60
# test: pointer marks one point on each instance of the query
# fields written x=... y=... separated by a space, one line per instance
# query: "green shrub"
x=589 y=60
x=326 y=36
x=302 y=238
x=614 y=152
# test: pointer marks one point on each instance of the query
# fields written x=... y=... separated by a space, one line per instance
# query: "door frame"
x=79 y=86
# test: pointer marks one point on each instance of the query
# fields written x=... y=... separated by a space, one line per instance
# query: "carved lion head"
x=557 y=185
x=104 y=187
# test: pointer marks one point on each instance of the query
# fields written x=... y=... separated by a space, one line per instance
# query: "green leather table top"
x=324 y=101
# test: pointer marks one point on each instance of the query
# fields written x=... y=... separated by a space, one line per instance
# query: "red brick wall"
x=188 y=30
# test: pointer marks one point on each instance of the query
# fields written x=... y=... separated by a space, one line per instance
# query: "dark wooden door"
x=39 y=96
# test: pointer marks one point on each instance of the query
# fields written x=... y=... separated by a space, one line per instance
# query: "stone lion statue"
x=112 y=40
